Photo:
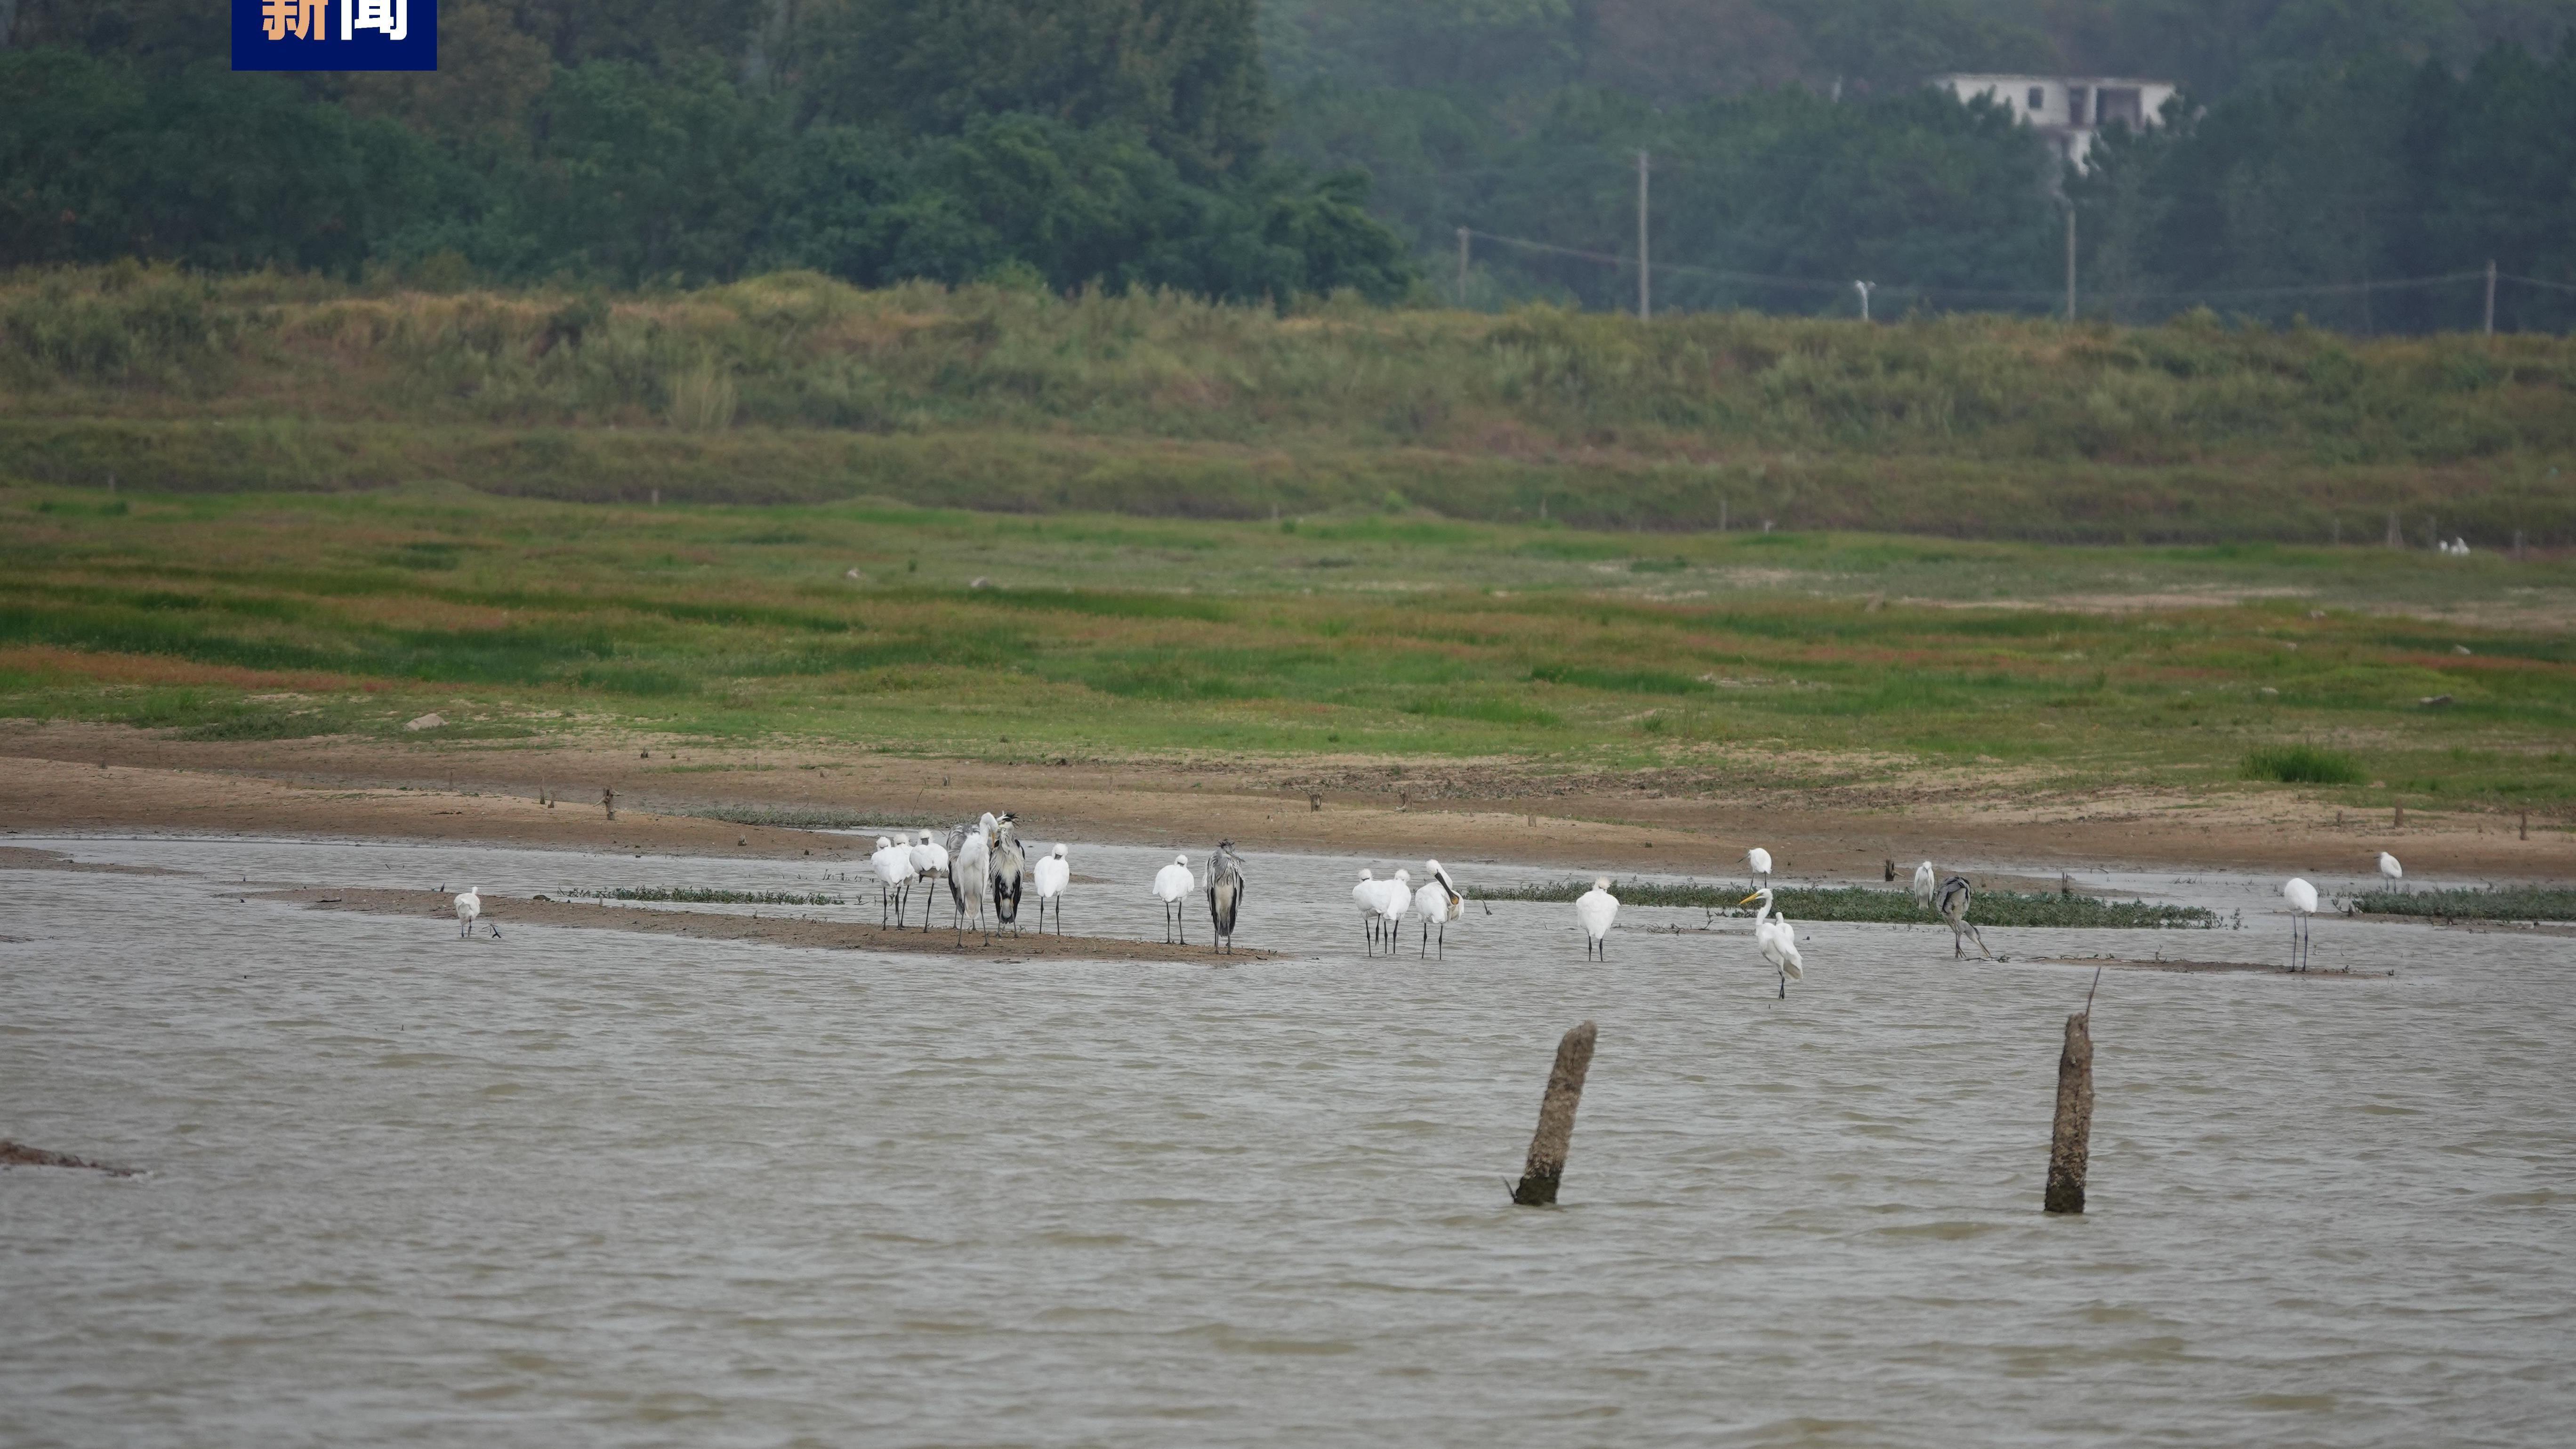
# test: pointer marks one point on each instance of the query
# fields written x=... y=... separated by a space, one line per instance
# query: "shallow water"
x=575 y=1187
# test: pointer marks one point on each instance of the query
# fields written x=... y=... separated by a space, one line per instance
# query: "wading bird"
x=2303 y=904
x=469 y=909
x=970 y=871
x=1758 y=861
x=1777 y=940
x=1438 y=903
x=1049 y=876
x=1224 y=894
x=893 y=866
x=1924 y=883
x=1365 y=896
x=1953 y=903
x=2389 y=869
x=1009 y=863
x=1394 y=898
x=1596 y=909
x=1171 y=883
x=929 y=863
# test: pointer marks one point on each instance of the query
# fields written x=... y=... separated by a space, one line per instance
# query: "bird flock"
x=990 y=877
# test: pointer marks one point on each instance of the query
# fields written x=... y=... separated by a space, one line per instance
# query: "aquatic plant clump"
x=2497 y=903
x=1860 y=903
x=699 y=896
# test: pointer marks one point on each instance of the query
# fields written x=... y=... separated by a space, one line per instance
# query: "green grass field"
x=1778 y=659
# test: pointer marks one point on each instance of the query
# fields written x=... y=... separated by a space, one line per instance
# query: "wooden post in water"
x=2070 y=1142
x=1546 y=1166
x=608 y=801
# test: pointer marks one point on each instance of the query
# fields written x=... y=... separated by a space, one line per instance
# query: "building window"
x=2038 y=98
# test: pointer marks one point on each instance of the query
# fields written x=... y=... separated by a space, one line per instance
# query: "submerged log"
x=2071 y=1142
x=1546 y=1165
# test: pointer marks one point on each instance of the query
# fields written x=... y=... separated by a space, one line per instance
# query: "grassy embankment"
x=1850 y=662
x=794 y=388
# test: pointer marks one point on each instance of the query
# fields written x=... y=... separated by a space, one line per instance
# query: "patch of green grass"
x=2494 y=903
x=2302 y=765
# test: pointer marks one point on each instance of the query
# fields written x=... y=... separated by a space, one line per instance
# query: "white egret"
x=1924 y=883
x=893 y=866
x=1171 y=883
x=1758 y=861
x=1438 y=903
x=469 y=909
x=2389 y=869
x=970 y=870
x=2303 y=904
x=1050 y=875
x=1596 y=909
x=1009 y=865
x=1224 y=894
x=1394 y=898
x=1777 y=940
x=1952 y=903
x=1365 y=895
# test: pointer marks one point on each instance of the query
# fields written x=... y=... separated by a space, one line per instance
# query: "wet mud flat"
x=776 y=928
x=2212 y=968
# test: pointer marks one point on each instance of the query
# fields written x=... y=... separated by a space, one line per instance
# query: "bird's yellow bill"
x=1748 y=900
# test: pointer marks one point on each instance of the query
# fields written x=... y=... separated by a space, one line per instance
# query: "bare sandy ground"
x=71 y=777
x=773 y=925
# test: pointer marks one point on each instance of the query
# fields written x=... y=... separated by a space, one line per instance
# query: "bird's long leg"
x=1784 y=983
x=1425 y=948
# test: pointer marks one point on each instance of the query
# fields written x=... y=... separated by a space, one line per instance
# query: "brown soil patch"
x=1694 y=819
x=2205 y=968
x=775 y=928
x=16 y=857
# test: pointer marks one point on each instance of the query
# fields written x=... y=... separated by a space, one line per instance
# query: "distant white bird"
x=1777 y=940
x=1049 y=876
x=2303 y=904
x=1365 y=895
x=970 y=870
x=1438 y=903
x=1596 y=909
x=2389 y=869
x=1924 y=883
x=929 y=863
x=1758 y=861
x=1171 y=884
x=469 y=909
x=893 y=866
x=1224 y=894
x=1009 y=861
x=1953 y=903
x=1394 y=898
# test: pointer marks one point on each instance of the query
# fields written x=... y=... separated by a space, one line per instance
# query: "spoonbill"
x=1596 y=909
x=469 y=908
x=1009 y=861
x=893 y=866
x=1224 y=894
x=1170 y=884
x=1924 y=883
x=1049 y=876
x=1758 y=861
x=929 y=862
x=2389 y=869
x=1777 y=940
x=1365 y=896
x=1438 y=903
x=1394 y=898
x=2303 y=904
x=1953 y=903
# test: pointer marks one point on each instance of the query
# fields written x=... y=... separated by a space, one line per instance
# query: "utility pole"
x=2070 y=261
x=1863 y=288
x=2491 y=297
x=1645 y=296
x=1462 y=268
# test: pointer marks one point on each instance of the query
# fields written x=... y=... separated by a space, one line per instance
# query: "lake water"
x=582 y=1187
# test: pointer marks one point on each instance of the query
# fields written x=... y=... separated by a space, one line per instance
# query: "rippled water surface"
x=583 y=1187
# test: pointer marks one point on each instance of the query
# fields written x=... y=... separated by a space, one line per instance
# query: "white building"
x=2068 y=110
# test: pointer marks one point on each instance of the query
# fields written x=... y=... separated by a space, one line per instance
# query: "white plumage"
x=970 y=869
x=1596 y=909
x=1049 y=876
x=1777 y=940
x=1364 y=895
x=1394 y=898
x=2303 y=904
x=469 y=906
x=2389 y=869
x=893 y=866
x=1924 y=881
x=1438 y=903
x=1758 y=861
x=1172 y=884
